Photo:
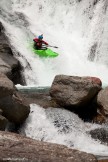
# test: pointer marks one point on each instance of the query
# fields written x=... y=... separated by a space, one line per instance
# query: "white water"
x=74 y=27
x=63 y=127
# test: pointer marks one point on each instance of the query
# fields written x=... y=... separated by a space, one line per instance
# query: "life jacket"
x=39 y=42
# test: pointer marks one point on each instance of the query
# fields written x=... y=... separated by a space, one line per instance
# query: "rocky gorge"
x=81 y=95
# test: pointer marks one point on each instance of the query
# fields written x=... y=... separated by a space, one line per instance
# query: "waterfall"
x=79 y=29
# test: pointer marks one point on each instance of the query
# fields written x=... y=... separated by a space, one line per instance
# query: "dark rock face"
x=9 y=65
x=100 y=134
x=11 y=103
x=99 y=118
x=14 y=109
x=6 y=86
x=3 y=122
x=14 y=146
x=74 y=91
x=102 y=100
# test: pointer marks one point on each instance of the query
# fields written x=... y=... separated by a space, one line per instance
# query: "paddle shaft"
x=53 y=46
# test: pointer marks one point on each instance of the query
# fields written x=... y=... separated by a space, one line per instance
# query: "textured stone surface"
x=100 y=134
x=6 y=86
x=14 y=109
x=3 y=122
x=9 y=65
x=13 y=146
x=102 y=99
x=73 y=90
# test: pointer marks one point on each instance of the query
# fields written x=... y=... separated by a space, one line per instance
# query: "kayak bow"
x=45 y=53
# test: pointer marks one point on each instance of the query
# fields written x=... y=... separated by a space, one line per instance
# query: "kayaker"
x=38 y=43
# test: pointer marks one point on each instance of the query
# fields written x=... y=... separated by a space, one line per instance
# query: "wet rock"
x=99 y=119
x=73 y=90
x=38 y=97
x=3 y=122
x=100 y=134
x=14 y=109
x=11 y=103
x=1 y=112
x=14 y=146
x=102 y=100
x=6 y=86
x=9 y=65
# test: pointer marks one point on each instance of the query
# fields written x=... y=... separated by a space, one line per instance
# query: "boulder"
x=6 y=86
x=17 y=147
x=102 y=100
x=77 y=91
x=3 y=122
x=11 y=103
x=14 y=109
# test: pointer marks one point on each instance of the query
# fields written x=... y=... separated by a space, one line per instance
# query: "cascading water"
x=63 y=127
x=79 y=29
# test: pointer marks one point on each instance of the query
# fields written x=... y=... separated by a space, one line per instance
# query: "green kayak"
x=45 y=53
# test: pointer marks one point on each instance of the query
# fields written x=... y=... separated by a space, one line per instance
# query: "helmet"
x=40 y=37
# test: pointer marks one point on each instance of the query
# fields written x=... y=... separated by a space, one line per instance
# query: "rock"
x=94 y=80
x=9 y=65
x=12 y=105
x=3 y=122
x=14 y=109
x=70 y=91
x=100 y=134
x=14 y=146
x=6 y=86
x=99 y=119
x=102 y=100
x=1 y=112
x=10 y=71
x=37 y=96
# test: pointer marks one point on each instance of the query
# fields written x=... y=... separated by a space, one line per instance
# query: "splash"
x=62 y=127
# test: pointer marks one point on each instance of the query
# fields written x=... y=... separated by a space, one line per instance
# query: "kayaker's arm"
x=44 y=42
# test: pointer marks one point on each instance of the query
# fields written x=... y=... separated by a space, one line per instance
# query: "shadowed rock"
x=11 y=103
x=9 y=65
x=3 y=122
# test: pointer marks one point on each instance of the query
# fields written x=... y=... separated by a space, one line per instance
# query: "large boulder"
x=70 y=91
x=12 y=105
x=102 y=100
x=16 y=147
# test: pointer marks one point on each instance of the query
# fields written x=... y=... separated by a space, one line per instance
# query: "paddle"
x=52 y=46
